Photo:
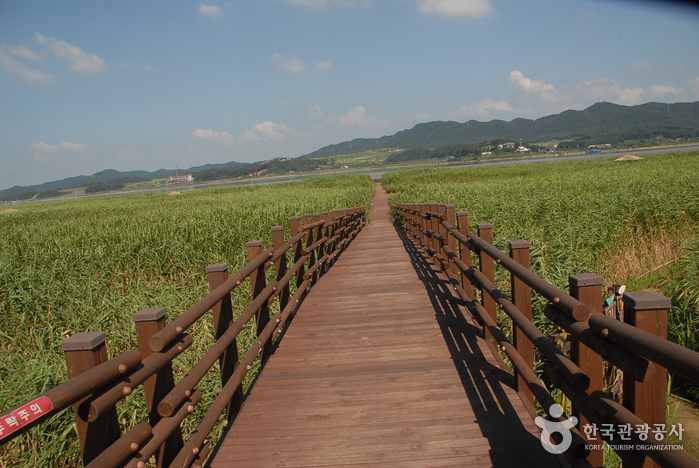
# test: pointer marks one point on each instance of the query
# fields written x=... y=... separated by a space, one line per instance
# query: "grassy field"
x=633 y=223
x=89 y=265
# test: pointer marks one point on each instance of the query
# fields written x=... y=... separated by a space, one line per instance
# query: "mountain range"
x=598 y=120
x=602 y=122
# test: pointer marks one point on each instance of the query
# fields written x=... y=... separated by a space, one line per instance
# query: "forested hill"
x=109 y=179
x=601 y=121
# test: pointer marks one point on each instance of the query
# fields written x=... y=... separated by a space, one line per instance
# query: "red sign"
x=24 y=415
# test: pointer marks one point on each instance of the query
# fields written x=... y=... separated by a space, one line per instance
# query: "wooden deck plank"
x=381 y=367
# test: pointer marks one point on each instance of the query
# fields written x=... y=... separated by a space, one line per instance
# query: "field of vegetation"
x=89 y=265
x=633 y=223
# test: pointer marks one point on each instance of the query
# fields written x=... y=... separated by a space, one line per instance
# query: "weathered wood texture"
x=380 y=368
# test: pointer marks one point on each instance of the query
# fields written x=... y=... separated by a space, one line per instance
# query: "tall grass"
x=616 y=219
x=89 y=265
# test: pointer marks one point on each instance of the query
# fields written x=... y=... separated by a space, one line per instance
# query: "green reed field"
x=89 y=265
x=633 y=223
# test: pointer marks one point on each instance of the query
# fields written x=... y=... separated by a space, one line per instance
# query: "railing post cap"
x=294 y=218
x=451 y=205
x=149 y=315
x=484 y=226
x=519 y=244
x=277 y=228
x=462 y=213
x=254 y=243
x=84 y=341
x=585 y=279
x=646 y=300
x=217 y=268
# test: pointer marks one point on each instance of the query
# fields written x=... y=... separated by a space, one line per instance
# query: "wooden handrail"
x=115 y=379
x=622 y=344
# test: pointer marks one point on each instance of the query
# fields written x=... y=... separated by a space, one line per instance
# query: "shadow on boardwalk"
x=483 y=380
x=380 y=368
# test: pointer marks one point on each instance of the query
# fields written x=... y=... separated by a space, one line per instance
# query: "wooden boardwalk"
x=380 y=368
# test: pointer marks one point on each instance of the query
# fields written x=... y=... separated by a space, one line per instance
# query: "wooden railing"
x=97 y=384
x=637 y=346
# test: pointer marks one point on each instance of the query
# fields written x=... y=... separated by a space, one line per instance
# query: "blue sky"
x=89 y=85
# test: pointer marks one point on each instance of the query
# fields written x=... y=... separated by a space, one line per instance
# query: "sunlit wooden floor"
x=380 y=368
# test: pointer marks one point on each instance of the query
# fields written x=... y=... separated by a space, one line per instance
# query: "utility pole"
x=177 y=177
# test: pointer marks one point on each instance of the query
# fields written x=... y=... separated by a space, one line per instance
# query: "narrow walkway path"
x=380 y=368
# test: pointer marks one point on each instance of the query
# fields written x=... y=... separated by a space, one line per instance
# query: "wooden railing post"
x=465 y=252
x=294 y=229
x=433 y=225
x=416 y=220
x=426 y=241
x=325 y=232
x=308 y=219
x=321 y=248
x=487 y=267
x=451 y=219
x=258 y=283
x=647 y=311
x=441 y=209
x=149 y=322
x=522 y=299
x=223 y=318
x=280 y=266
x=83 y=351
x=587 y=288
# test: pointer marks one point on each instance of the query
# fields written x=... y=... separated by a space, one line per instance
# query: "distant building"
x=183 y=179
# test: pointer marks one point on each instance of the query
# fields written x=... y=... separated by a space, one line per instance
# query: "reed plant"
x=632 y=223
x=89 y=265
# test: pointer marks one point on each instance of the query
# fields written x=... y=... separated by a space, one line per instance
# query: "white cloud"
x=546 y=93
x=22 y=71
x=695 y=85
x=73 y=146
x=661 y=90
x=292 y=65
x=224 y=138
x=456 y=8
x=78 y=60
x=325 y=66
x=259 y=132
x=357 y=116
x=42 y=149
x=316 y=112
x=642 y=65
x=482 y=108
x=606 y=89
x=212 y=11
x=266 y=131
x=24 y=52
x=296 y=65
x=518 y=79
